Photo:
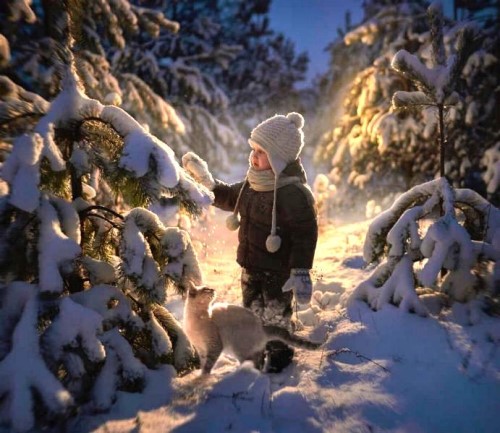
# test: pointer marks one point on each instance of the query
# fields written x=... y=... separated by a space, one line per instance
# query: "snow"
x=21 y=170
x=139 y=148
x=491 y=161
x=384 y=371
x=23 y=369
x=161 y=340
x=21 y=10
x=75 y=325
x=99 y=271
x=97 y=299
x=55 y=249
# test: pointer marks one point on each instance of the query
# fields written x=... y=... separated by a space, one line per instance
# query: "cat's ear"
x=192 y=290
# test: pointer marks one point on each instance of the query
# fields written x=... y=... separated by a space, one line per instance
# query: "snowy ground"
x=385 y=371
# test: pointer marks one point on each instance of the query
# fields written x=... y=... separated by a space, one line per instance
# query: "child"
x=277 y=224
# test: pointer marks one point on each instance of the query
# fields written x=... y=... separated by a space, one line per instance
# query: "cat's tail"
x=279 y=333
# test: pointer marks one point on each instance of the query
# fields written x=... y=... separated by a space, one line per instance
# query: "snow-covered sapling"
x=429 y=228
x=436 y=84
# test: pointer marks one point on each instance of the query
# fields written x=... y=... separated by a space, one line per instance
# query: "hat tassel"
x=233 y=220
x=273 y=241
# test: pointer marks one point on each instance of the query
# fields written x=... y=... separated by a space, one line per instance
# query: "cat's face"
x=201 y=293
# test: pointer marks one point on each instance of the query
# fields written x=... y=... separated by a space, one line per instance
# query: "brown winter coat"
x=296 y=223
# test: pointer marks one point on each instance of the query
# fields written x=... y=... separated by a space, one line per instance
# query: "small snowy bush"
x=456 y=254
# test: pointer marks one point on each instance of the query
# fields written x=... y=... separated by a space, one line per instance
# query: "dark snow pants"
x=261 y=292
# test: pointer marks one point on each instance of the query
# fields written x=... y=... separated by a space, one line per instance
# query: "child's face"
x=258 y=158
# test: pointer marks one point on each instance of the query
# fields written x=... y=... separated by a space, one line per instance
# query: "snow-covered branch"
x=24 y=370
x=424 y=225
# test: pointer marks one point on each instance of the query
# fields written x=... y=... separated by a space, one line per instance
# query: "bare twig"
x=234 y=397
x=334 y=353
x=104 y=208
x=321 y=357
x=116 y=226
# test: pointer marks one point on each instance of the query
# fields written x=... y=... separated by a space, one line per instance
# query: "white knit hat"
x=282 y=139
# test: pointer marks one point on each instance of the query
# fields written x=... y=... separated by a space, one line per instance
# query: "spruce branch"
x=112 y=223
x=103 y=208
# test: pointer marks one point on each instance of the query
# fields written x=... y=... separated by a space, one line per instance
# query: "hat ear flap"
x=277 y=164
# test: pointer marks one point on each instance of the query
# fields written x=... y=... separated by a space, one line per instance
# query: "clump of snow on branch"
x=22 y=168
x=153 y=254
x=120 y=367
x=56 y=251
x=491 y=160
x=20 y=10
x=22 y=171
x=108 y=301
x=4 y=51
x=74 y=327
x=437 y=83
x=23 y=369
x=416 y=254
x=138 y=262
x=99 y=271
x=183 y=264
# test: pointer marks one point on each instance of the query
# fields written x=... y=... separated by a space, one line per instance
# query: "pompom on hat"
x=282 y=139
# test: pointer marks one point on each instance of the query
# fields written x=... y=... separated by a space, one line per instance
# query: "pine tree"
x=84 y=266
x=435 y=84
x=180 y=67
x=368 y=148
x=439 y=242
x=260 y=80
x=36 y=55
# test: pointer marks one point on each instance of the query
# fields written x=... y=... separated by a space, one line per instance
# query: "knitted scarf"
x=264 y=180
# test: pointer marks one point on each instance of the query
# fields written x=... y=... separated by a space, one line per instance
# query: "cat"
x=216 y=327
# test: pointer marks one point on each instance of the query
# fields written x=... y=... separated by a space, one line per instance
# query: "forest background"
x=99 y=101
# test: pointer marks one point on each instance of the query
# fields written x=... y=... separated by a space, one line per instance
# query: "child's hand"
x=301 y=284
x=198 y=169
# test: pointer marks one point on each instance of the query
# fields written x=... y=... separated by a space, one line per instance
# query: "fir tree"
x=260 y=80
x=369 y=149
x=435 y=84
x=35 y=53
x=441 y=245
x=439 y=242
x=84 y=266
x=180 y=67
